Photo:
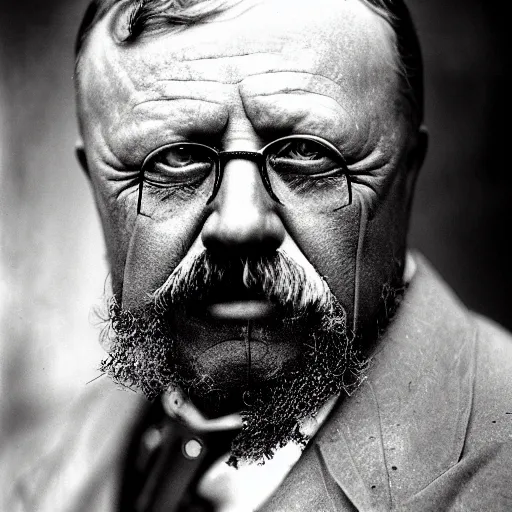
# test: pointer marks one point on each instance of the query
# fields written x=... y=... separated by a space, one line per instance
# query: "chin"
x=218 y=378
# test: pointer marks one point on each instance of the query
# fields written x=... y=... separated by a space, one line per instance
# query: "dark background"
x=52 y=253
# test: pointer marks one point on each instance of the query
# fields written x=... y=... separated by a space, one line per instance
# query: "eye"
x=303 y=150
x=303 y=156
x=180 y=155
x=179 y=164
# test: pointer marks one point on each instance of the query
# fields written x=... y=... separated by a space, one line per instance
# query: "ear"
x=81 y=157
x=421 y=148
x=415 y=161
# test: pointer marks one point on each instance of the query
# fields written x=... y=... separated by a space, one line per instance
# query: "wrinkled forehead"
x=341 y=45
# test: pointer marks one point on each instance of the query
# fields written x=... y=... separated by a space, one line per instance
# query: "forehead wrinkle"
x=310 y=86
x=228 y=70
x=292 y=71
x=170 y=99
x=218 y=57
x=210 y=91
x=194 y=81
x=238 y=73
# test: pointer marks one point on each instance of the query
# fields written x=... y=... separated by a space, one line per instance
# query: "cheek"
x=117 y=219
x=383 y=249
x=155 y=248
x=330 y=243
x=142 y=251
x=356 y=253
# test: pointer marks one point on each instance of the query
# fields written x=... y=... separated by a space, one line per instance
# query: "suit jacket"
x=429 y=430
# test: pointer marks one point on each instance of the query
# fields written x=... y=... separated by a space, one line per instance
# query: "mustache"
x=207 y=278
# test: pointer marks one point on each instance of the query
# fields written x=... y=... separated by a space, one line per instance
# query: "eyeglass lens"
x=303 y=172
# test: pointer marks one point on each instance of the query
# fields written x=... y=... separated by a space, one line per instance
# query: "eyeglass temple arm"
x=349 y=186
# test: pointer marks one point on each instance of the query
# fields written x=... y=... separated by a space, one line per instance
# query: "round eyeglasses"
x=303 y=171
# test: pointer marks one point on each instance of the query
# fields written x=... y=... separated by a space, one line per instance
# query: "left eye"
x=179 y=156
x=303 y=150
x=178 y=164
x=303 y=157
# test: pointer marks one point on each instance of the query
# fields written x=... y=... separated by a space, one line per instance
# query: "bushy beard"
x=142 y=348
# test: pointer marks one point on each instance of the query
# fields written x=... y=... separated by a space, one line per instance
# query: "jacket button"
x=192 y=449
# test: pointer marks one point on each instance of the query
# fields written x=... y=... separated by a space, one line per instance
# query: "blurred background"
x=52 y=266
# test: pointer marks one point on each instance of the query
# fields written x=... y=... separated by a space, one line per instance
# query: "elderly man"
x=253 y=163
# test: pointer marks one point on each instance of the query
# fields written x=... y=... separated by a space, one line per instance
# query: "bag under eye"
x=319 y=166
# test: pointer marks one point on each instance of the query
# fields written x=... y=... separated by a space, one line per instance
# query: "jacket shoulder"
x=491 y=415
x=52 y=467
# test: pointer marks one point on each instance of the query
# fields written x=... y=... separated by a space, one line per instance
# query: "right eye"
x=303 y=156
x=178 y=164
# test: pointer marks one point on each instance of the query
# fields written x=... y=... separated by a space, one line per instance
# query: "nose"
x=244 y=219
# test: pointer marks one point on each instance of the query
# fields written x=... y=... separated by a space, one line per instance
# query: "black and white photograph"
x=255 y=256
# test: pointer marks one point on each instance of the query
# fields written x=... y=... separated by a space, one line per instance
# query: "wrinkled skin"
x=261 y=70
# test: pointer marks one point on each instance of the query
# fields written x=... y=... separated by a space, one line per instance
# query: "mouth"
x=231 y=301
x=234 y=338
x=255 y=309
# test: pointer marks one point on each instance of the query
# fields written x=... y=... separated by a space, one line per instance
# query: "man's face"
x=259 y=71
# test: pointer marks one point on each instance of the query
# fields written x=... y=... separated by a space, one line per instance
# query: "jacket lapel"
x=406 y=424
x=353 y=451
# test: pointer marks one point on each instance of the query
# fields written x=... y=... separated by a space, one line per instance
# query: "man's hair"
x=174 y=13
